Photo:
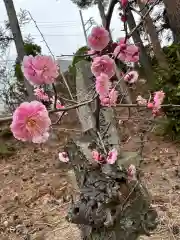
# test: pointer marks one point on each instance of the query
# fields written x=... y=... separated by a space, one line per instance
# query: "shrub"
x=171 y=86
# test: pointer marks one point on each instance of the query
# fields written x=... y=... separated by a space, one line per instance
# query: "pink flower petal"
x=31 y=122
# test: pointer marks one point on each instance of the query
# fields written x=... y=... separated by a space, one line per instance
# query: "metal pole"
x=83 y=25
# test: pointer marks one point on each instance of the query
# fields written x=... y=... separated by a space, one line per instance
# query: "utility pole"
x=89 y=22
x=83 y=25
x=18 y=40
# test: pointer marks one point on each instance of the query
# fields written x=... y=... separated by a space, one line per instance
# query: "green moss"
x=5 y=133
x=5 y=150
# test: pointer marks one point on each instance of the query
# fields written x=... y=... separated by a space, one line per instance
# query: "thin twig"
x=59 y=119
x=142 y=19
x=101 y=141
x=55 y=95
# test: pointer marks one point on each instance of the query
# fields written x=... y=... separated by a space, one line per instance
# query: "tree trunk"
x=160 y=56
x=173 y=12
x=14 y=25
x=102 y=12
x=144 y=59
x=110 y=206
x=101 y=9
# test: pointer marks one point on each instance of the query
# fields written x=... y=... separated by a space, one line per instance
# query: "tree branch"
x=74 y=106
x=109 y=13
x=142 y=19
x=6 y=38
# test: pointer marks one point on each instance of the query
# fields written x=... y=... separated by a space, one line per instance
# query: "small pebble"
x=5 y=223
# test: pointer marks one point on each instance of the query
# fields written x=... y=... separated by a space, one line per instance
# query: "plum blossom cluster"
x=126 y=52
x=31 y=120
x=103 y=66
x=41 y=95
x=109 y=159
x=155 y=104
x=131 y=77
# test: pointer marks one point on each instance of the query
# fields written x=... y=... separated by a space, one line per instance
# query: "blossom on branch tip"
x=98 y=39
x=150 y=105
x=158 y=99
x=132 y=173
x=103 y=64
x=96 y=156
x=141 y=101
x=112 y=156
x=131 y=77
x=109 y=100
x=40 y=94
x=31 y=122
x=123 y=18
x=102 y=84
x=124 y=3
x=40 y=70
x=59 y=105
x=63 y=157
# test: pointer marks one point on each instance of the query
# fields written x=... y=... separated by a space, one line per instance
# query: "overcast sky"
x=59 y=21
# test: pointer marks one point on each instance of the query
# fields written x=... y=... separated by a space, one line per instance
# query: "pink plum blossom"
x=123 y=18
x=158 y=99
x=63 y=157
x=103 y=64
x=102 y=84
x=124 y=3
x=59 y=105
x=112 y=156
x=96 y=156
x=98 y=39
x=31 y=122
x=150 y=105
x=132 y=173
x=131 y=77
x=40 y=70
x=109 y=100
x=141 y=101
x=40 y=94
x=126 y=52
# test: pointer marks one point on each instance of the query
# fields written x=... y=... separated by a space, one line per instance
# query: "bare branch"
x=6 y=119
